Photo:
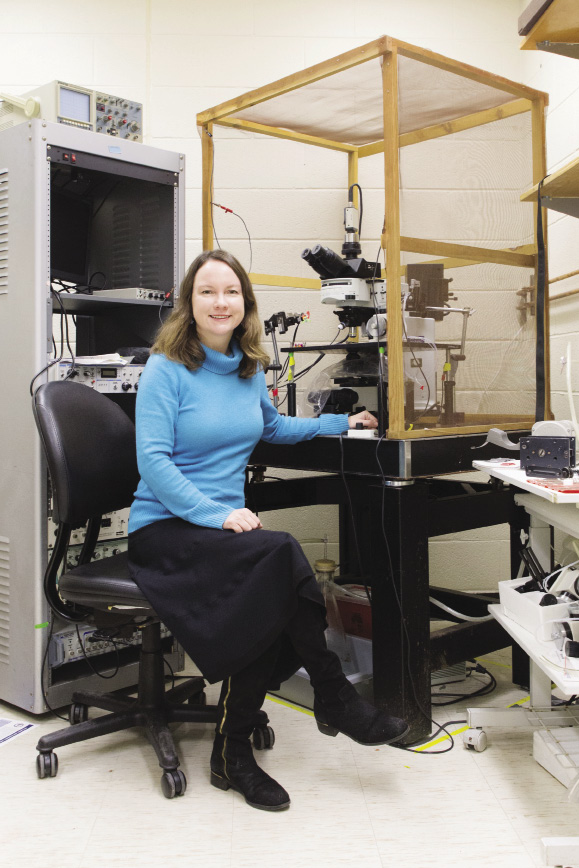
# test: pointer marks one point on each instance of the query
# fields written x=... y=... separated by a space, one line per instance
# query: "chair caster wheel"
x=263 y=738
x=78 y=713
x=198 y=698
x=475 y=739
x=47 y=765
x=173 y=783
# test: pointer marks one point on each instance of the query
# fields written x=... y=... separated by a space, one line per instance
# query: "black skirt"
x=224 y=596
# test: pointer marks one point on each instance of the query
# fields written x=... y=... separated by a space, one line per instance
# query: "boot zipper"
x=221 y=728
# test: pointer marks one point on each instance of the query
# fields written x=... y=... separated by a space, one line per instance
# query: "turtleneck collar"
x=219 y=363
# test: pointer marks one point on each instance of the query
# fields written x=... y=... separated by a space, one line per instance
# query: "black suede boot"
x=233 y=765
x=337 y=705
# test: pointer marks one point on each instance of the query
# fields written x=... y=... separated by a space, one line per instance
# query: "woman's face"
x=217 y=303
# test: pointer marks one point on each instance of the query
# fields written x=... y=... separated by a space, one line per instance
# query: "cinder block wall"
x=181 y=56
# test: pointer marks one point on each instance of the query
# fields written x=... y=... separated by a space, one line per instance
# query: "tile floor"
x=351 y=806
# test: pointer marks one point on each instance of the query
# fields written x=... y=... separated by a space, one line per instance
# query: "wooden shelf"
x=560 y=191
x=558 y=23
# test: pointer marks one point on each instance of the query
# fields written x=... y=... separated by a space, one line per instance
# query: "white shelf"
x=566 y=680
x=510 y=471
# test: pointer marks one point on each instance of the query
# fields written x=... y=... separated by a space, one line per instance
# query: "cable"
x=165 y=299
x=170 y=668
x=63 y=316
x=462 y=617
x=235 y=214
x=94 y=275
x=309 y=368
x=402 y=619
x=350 y=199
x=91 y=667
x=414 y=747
x=352 y=513
x=485 y=690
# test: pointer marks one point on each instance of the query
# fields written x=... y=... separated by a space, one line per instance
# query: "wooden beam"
x=562 y=184
x=207 y=157
x=353 y=175
x=292 y=82
x=391 y=244
x=563 y=276
x=466 y=251
x=288 y=282
x=416 y=433
x=281 y=133
x=467 y=122
x=564 y=295
x=423 y=55
x=449 y=262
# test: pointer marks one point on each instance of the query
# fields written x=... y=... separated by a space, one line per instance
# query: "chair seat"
x=104 y=584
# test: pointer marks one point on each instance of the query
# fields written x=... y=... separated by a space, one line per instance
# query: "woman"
x=232 y=593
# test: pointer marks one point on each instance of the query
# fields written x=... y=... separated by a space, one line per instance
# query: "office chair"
x=90 y=450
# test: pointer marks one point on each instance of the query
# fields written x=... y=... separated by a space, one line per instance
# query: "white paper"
x=11 y=728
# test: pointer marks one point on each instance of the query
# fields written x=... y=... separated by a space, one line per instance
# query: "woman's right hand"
x=240 y=520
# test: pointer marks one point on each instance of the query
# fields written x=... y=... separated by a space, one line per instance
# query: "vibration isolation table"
x=391 y=501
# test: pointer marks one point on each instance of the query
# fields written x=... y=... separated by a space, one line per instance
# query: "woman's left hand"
x=366 y=418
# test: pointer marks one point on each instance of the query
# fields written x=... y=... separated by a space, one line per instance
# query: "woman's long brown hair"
x=177 y=338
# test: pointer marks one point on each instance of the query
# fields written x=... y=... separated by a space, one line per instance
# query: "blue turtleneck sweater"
x=195 y=433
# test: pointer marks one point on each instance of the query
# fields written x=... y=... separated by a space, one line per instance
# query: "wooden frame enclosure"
x=486 y=98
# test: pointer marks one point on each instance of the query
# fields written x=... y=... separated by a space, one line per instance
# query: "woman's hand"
x=240 y=520
x=366 y=418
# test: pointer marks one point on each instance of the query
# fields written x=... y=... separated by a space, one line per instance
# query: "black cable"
x=352 y=514
x=309 y=368
x=63 y=317
x=292 y=344
x=170 y=668
x=412 y=748
x=350 y=199
x=484 y=690
x=91 y=667
x=94 y=275
x=402 y=619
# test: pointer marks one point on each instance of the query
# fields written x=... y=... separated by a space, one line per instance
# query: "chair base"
x=153 y=710
x=127 y=712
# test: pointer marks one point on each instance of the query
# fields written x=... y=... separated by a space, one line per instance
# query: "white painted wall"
x=182 y=56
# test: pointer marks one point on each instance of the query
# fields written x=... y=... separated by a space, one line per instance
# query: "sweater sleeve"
x=292 y=429
x=156 y=415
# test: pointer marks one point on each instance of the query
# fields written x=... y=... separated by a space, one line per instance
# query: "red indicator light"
x=73 y=158
x=65 y=156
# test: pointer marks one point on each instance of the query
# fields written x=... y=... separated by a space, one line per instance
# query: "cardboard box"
x=356 y=615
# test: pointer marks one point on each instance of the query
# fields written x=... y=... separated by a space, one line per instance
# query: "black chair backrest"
x=90 y=448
